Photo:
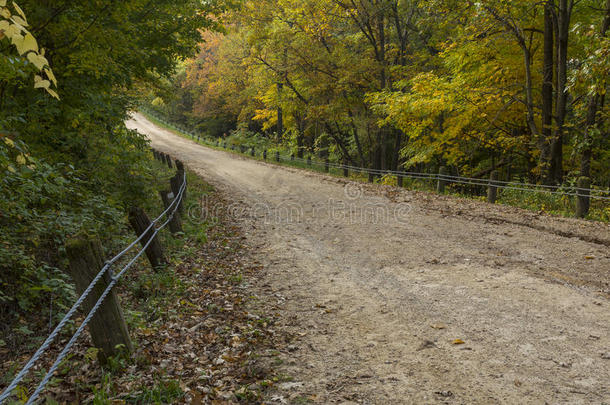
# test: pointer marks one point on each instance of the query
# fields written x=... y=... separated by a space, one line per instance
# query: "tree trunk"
x=563 y=27
x=547 y=92
x=396 y=154
x=280 y=113
x=298 y=118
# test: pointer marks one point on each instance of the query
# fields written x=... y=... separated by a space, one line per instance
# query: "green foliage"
x=243 y=136
x=70 y=164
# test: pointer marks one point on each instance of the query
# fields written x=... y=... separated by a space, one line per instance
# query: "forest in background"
x=514 y=86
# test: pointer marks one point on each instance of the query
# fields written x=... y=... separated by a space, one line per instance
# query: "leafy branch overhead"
x=13 y=28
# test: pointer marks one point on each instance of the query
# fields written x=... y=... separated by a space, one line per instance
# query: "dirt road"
x=376 y=285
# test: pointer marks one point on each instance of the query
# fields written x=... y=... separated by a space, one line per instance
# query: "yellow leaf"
x=25 y=43
x=18 y=20
x=11 y=169
x=9 y=142
x=21 y=159
x=42 y=84
x=53 y=93
x=39 y=61
x=458 y=342
x=2 y=3
x=19 y=10
x=13 y=30
x=51 y=76
x=29 y=44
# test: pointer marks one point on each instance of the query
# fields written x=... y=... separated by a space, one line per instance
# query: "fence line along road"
x=169 y=212
x=508 y=185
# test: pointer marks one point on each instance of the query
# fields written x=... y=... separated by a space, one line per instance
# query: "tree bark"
x=280 y=113
x=563 y=28
x=396 y=154
x=547 y=91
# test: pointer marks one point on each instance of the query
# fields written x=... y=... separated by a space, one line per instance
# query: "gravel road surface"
x=399 y=297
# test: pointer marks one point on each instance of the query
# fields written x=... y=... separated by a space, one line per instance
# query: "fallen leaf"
x=458 y=342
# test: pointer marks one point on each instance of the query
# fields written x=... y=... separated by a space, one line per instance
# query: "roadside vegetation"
x=198 y=335
x=69 y=74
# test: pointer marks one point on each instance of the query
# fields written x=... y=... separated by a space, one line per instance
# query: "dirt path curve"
x=376 y=285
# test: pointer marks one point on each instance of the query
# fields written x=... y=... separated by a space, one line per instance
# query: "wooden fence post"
x=265 y=154
x=107 y=327
x=492 y=190
x=400 y=180
x=583 y=201
x=169 y=161
x=442 y=182
x=326 y=165
x=277 y=156
x=175 y=184
x=292 y=157
x=371 y=177
x=252 y=152
x=139 y=222
x=175 y=224
x=179 y=166
x=345 y=169
x=308 y=160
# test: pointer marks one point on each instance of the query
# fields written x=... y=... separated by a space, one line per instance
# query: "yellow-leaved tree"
x=13 y=27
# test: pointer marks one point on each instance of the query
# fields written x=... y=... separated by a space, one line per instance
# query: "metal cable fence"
x=570 y=191
x=170 y=212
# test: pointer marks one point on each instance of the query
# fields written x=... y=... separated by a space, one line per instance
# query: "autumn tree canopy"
x=512 y=85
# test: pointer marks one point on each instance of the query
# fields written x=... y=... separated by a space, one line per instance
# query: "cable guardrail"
x=467 y=180
x=573 y=191
x=173 y=207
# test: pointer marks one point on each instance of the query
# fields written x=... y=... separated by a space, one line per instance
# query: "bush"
x=43 y=204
